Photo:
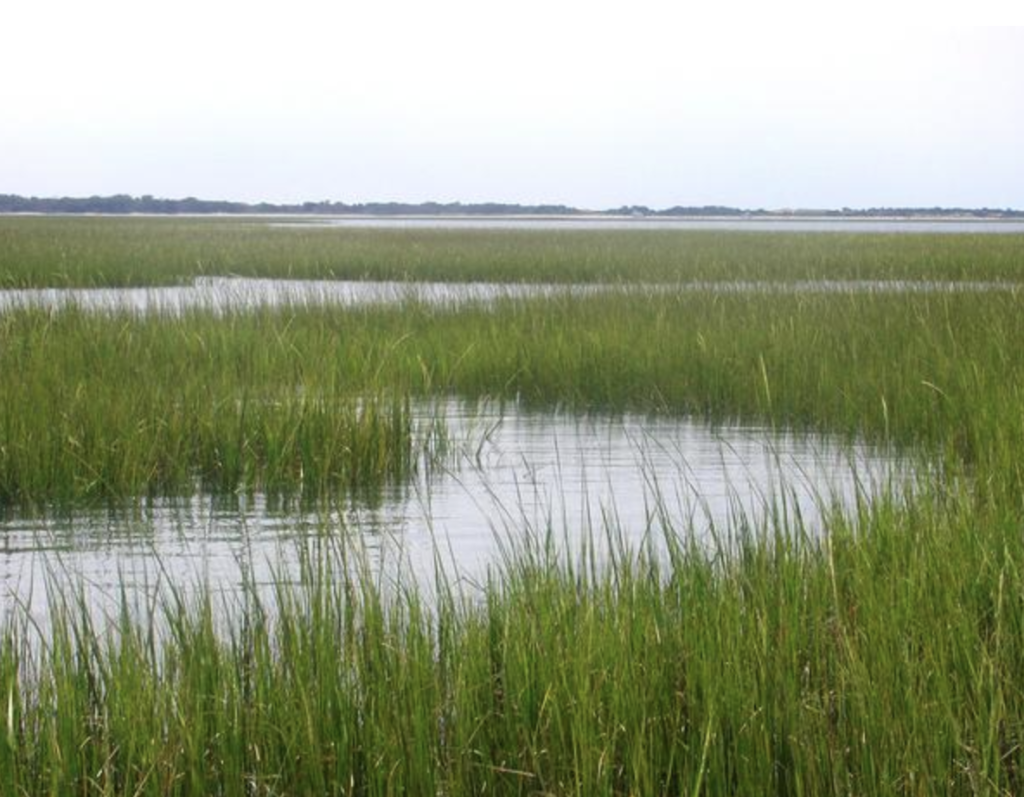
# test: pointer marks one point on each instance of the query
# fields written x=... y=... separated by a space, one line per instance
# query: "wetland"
x=554 y=511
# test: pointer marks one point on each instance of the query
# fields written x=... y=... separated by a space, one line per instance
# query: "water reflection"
x=510 y=474
x=239 y=293
x=731 y=224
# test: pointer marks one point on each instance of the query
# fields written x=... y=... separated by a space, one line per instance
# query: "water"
x=240 y=293
x=902 y=226
x=510 y=476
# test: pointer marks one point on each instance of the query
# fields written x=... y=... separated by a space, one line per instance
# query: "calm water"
x=971 y=226
x=510 y=474
x=224 y=293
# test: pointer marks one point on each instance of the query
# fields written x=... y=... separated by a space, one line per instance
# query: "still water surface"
x=731 y=224
x=509 y=474
x=241 y=293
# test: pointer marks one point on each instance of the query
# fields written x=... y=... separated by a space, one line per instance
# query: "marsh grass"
x=877 y=662
x=307 y=399
x=114 y=407
x=882 y=658
x=95 y=252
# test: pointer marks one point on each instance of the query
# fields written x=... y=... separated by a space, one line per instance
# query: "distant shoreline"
x=595 y=218
x=124 y=205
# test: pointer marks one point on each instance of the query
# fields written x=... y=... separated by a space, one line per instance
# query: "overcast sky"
x=580 y=103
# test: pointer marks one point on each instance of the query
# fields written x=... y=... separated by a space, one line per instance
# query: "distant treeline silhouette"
x=124 y=204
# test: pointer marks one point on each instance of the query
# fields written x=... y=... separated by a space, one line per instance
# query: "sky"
x=589 y=104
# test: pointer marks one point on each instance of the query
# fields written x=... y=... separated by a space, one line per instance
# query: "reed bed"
x=880 y=658
x=304 y=398
x=96 y=252
x=117 y=408
x=882 y=662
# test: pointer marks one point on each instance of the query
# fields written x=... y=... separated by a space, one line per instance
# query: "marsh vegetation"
x=880 y=656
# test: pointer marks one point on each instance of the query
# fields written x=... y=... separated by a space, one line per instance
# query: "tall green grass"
x=883 y=661
x=117 y=408
x=310 y=397
x=94 y=252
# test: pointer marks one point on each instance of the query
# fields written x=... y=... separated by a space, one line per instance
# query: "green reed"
x=94 y=252
x=882 y=661
x=117 y=407
x=282 y=398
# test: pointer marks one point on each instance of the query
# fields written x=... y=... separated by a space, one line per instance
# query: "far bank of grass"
x=98 y=252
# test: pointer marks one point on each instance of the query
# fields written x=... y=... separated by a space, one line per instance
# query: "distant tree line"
x=124 y=204
x=691 y=211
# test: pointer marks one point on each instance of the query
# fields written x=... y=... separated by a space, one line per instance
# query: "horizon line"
x=11 y=202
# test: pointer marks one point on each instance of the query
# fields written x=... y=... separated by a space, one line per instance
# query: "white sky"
x=589 y=104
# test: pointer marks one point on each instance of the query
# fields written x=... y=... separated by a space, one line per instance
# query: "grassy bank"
x=881 y=659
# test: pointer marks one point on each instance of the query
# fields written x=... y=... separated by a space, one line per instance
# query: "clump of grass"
x=114 y=408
